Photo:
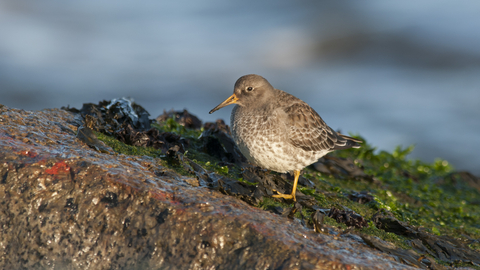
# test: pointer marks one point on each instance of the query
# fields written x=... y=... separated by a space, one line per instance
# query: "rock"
x=348 y=217
x=444 y=248
x=341 y=167
x=386 y=221
x=109 y=116
x=407 y=256
x=184 y=118
x=87 y=136
x=67 y=206
x=151 y=138
x=218 y=142
x=360 y=197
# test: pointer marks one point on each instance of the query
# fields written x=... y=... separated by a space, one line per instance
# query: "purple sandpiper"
x=277 y=131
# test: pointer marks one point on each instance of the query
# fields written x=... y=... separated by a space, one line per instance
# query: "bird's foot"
x=285 y=196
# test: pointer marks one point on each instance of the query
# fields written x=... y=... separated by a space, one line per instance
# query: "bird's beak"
x=231 y=100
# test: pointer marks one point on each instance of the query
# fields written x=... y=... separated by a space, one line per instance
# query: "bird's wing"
x=308 y=131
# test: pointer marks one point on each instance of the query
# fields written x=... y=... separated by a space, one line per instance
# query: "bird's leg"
x=296 y=174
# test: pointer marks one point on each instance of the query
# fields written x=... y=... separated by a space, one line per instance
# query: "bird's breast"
x=261 y=139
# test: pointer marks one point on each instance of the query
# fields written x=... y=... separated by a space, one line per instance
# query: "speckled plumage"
x=278 y=131
x=277 y=145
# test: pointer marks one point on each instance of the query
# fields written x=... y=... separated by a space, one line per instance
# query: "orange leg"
x=296 y=173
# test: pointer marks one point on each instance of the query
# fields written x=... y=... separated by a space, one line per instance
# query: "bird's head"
x=249 y=90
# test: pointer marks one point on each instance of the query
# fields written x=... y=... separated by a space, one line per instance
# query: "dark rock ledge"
x=66 y=206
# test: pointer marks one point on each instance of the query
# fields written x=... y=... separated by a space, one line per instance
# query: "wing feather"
x=308 y=131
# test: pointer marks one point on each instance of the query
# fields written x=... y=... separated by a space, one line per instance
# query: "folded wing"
x=308 y=131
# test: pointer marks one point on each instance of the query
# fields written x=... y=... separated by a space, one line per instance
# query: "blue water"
x=398 y=73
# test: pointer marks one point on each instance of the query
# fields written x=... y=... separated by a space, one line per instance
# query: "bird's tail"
x=345 y=142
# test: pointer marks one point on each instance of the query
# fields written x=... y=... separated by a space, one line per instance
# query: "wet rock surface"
x=66 y=204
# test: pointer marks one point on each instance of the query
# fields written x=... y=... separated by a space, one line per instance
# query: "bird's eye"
x=249 y=88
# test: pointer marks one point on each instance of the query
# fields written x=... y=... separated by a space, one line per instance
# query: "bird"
x=278 y=131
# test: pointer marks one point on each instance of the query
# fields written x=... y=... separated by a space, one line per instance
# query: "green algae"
x=170 y=125
x=126 y=149
x=422 y=194
x=397 y=240
x=431 y=196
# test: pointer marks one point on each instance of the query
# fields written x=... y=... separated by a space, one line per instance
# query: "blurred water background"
x=395 y=72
